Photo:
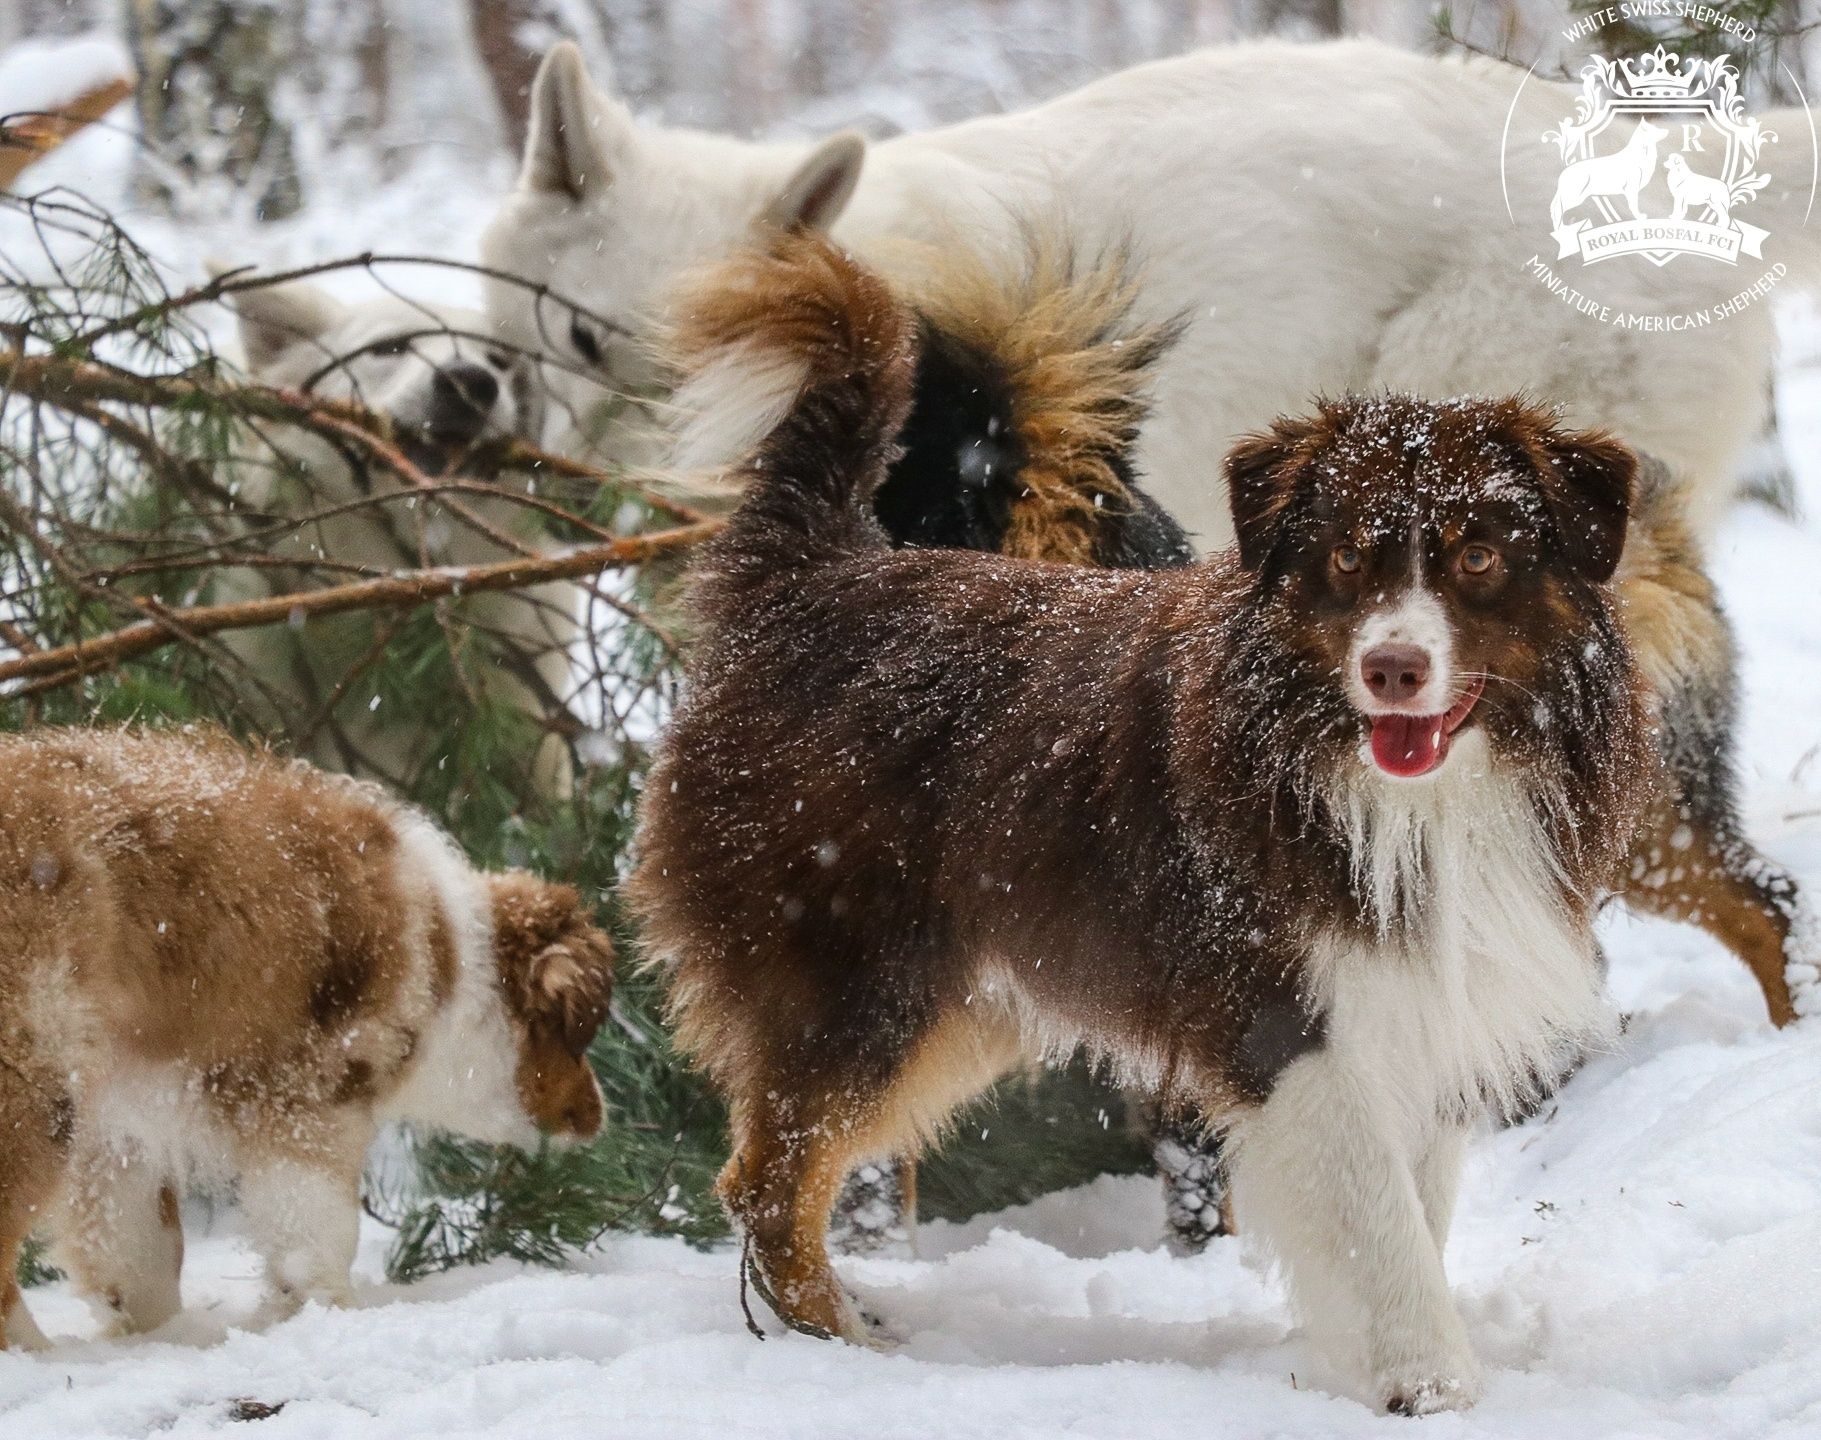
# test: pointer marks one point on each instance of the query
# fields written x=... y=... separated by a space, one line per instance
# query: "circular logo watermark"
x=1658 y=164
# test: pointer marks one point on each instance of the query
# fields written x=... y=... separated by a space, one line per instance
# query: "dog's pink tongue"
x=1409 y=744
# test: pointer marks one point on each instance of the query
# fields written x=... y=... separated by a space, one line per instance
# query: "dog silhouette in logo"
x=1624 y=172
x=1691 y=190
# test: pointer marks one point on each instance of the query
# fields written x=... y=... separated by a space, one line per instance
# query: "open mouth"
x=1412 y=745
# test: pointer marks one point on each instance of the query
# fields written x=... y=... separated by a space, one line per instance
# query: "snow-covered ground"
x=1643 y=1260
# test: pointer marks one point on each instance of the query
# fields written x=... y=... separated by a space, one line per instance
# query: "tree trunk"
x=500 y=30
x=208 y=72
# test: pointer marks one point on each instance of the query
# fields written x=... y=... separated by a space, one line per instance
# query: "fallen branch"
x=25 y=138
x=77 y=385
x=67 y=663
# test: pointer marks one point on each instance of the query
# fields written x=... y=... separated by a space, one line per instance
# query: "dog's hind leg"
x=799 y=1131
x=1691 y=861
x=1693 y=864
x=1438 y=1178
x=1321 y=1175
x=36 y=1121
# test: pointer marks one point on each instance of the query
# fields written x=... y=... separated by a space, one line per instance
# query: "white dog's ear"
x=273 y=318
x=575 y=129
x=814 y=197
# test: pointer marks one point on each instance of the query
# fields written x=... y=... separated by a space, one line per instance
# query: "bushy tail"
x=799 y=363
x=1033 y=383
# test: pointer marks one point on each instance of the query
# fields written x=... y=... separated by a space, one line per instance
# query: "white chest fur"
x=1481 y=982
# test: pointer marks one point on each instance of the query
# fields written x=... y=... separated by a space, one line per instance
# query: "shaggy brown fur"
x=924 y=810
x=1692 y=861
x=220 y=960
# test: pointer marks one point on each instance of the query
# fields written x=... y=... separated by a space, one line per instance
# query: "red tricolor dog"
x=1308 y=836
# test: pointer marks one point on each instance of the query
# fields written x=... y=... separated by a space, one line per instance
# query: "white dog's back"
x=1323 y=217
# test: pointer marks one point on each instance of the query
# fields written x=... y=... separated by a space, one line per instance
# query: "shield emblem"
x=1650 y=125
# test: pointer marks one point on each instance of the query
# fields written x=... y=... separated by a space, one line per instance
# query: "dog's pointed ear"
x=1262 y=471
x=816 y=194
x=1589 y=479
x=575 y=132
x=273 y=318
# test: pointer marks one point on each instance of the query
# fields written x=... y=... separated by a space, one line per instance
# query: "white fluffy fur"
x=463 y=1076
x=731 y=404
x=1348 y=1172
x=1391 y=261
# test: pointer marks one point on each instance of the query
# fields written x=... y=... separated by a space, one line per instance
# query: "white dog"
x=1323 y=217
x=428 y=367
x=1624 y=172
x=1691 y=190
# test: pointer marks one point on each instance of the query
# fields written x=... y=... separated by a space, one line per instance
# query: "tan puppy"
x=223 y=964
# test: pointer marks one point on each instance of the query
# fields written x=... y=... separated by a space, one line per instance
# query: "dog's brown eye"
x=1346 y=559
x=1477 y=559
x=390 y=347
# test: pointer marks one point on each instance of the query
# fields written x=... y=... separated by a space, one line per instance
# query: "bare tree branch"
x=66 y=663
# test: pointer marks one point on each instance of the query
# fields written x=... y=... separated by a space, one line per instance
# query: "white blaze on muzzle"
x=1402 y=675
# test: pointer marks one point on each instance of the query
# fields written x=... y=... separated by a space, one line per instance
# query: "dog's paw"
x=1430 y=1394
x=1802 y=968
x=875 y=1333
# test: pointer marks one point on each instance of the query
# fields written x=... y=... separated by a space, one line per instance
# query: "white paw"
x=284 y=1301
x=1417 y=1391
x=1802 y=955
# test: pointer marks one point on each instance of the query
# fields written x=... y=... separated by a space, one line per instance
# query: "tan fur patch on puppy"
x=219 y=962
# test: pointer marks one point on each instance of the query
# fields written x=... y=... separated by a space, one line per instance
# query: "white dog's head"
x=430 y=367
x=608 y=213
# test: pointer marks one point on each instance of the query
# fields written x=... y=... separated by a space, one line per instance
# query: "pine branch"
x=65 y=663
x=65 y=382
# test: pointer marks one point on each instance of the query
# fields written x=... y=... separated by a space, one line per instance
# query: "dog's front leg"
x=1322 y=1176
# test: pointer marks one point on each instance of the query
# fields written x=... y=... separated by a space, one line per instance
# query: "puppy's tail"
x=802 y=361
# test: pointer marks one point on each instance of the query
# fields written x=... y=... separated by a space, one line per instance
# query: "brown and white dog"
x=218 y=963
x=1308 y=836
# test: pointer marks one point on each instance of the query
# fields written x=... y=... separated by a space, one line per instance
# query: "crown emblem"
x=1657 y=107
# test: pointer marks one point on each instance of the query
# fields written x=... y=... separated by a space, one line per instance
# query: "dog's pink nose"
x=1394 y=673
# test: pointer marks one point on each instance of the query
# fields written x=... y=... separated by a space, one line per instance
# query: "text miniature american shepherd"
x=1308 y=836
x=219 y=963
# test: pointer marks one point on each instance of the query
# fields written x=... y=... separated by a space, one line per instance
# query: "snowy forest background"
x=294 y=133
x=330 y=97
x=1642 y=1262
